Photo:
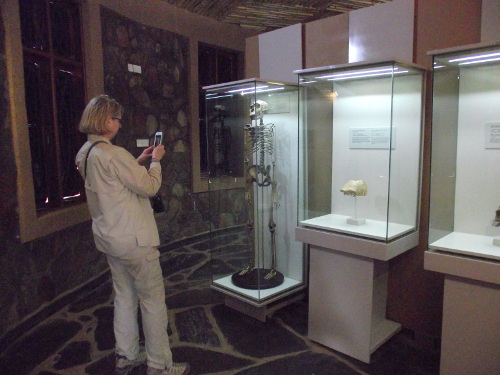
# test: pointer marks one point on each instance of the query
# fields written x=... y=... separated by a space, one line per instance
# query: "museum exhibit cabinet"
x=252 y=135
x=360 y=142
x=464 y=216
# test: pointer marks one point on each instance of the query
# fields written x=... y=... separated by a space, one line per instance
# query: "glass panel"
x=465 y=201
x=70 y=99
x=316 y=134
x=360 y=129
x=40 y=123
x=406 y=139
x=225 y=114
x=214 y=66
x=66 y=21
x=259 y=121
x=34 y=23
x=443 y=165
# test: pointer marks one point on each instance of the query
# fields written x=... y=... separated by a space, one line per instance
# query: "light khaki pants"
x=140 y=279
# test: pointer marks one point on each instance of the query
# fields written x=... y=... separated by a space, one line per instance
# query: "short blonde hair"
x=95 y=114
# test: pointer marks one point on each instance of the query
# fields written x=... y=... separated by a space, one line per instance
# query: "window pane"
x=70 y=99
x=207 y=66
x=227 y=67
x=40 y=124
x=34 y=23
x=65 y=21
x=215 y=66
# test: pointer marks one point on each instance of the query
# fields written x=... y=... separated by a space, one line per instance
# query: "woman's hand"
x=158 y=152
x=145 y=156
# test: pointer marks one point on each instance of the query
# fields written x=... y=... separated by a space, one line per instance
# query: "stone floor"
x=215 y=339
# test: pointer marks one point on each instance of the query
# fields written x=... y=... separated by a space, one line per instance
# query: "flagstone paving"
x=215 y=339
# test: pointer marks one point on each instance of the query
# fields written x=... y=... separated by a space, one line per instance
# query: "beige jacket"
x=118 y=191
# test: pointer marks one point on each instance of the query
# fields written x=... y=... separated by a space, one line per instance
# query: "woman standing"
x=118 y=188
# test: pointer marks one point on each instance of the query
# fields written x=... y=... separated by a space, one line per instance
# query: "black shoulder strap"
x=87 y=157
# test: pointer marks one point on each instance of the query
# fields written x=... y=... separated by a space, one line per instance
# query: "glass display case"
x=465 y=174
x=252 y=132
x=464 y=212
x=360 y=138
x=360 y=149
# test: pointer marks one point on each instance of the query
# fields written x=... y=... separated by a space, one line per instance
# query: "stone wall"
x=158 y=100
x=154 y=100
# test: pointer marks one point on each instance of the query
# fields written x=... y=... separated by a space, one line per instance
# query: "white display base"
x=259 y=304
x=263 y=312
x=468 y=244
x=254 y=294
x=365 y=247
x=379 y=230
x=347 y=303
x=470 y=313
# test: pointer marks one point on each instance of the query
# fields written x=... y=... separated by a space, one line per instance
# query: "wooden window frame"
x=31 y=224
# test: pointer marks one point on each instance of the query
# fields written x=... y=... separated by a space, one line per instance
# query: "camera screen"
x=157 y=140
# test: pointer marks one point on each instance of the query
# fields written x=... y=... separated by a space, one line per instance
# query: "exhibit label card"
x=492 y=135
x=279 y=103
x=372 y=138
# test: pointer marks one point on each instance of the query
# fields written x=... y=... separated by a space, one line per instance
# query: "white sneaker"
x=175 y=369
x=125 y=365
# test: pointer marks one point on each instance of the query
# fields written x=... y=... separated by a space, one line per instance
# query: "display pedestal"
x=348 y=291
x=256 y=279
x=259 y=303
x=470 y=342
x=262 y=312
x=347 y=302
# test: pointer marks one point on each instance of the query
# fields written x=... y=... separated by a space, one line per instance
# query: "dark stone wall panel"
x=155 y=100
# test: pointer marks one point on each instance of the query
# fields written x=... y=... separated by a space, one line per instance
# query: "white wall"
x=381 y=32
x=478 y=178
x=377 y=104
x=280 y=53
x=490 y=24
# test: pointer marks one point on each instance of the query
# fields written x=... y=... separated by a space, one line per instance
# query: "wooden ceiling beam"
x=264 y=15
